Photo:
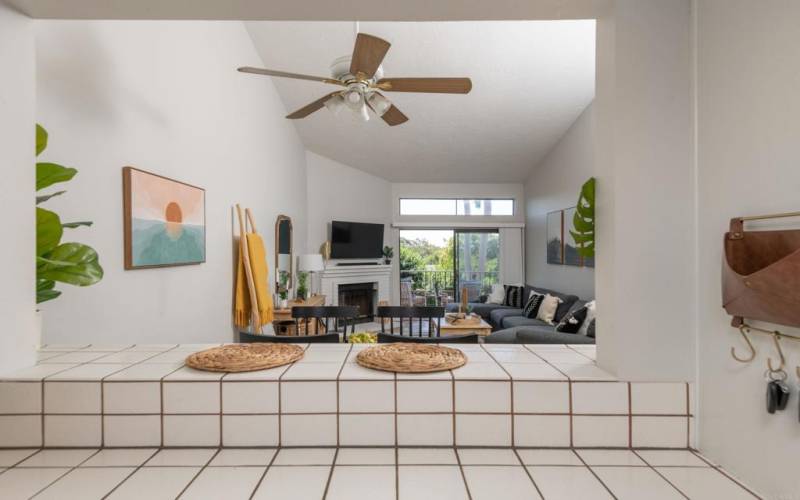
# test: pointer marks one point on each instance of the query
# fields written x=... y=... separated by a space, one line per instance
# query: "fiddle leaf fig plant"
x=583 y=221
x=71 y=263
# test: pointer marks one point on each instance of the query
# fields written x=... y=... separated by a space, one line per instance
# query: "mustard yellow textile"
x=258 y=265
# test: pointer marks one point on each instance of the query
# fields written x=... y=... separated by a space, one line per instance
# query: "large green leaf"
x=48 y=230
x=73 y=225
x=48 y=174
x=46 y=295
x=41 y=139
x=43 y=198
x=72 y=263
x=583 y=221
x=45 y=290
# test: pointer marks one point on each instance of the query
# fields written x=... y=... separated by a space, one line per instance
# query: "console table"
x=282 y=317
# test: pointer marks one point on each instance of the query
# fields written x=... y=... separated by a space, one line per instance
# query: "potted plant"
x=283 y=289
x=56 y=262
x=302 y=285
x=388 y=253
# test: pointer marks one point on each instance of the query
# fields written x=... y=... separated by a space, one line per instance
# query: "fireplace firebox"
x=360 y=295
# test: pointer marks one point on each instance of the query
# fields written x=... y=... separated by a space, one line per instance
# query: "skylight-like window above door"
x=456 y=206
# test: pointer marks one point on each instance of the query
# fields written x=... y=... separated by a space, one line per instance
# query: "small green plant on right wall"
x=583 y=221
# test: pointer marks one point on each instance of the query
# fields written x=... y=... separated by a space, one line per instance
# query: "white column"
x=17 y=217
x=645 y=191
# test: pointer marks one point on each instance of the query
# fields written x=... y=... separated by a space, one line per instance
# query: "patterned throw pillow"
x=513 y=296
x=532 y=306
x=573 y=321
x=591 y=310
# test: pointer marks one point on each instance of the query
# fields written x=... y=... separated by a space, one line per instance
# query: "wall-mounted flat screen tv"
x=356 y=240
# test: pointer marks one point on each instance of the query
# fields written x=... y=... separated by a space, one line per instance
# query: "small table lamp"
x=310 y=263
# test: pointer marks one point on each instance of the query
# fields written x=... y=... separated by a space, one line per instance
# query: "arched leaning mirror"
x=283 y=254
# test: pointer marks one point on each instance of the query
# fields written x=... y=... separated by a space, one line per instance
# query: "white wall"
x=554 y=184
x=645 y=251
x=336 y=191
x=17 y=218
x=164 y=97
x=748 y=108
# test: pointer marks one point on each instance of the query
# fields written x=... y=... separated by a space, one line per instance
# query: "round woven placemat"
x=244 y=357
x=411 y=358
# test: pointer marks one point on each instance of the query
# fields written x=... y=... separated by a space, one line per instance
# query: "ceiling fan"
x=361 y=75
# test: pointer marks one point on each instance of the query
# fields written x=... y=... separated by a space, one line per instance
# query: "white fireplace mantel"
x=378 y=274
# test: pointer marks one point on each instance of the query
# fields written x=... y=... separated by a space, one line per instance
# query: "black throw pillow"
x=513 y=296
x=533 y=305
x=572 y=322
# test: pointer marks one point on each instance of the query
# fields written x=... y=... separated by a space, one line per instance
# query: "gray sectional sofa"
x=510 y=326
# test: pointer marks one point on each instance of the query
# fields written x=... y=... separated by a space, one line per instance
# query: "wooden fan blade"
x=284 y=74
x=432 y=85
x=394 y=116
x=368 y=54
x=310 y=108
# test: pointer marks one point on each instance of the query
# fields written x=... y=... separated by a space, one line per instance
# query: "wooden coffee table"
x=483 y=329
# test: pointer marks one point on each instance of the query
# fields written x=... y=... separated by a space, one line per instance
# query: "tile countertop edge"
x=485 y=369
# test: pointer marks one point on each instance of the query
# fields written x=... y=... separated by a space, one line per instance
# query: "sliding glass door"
x=436 y=264
x=477 y=261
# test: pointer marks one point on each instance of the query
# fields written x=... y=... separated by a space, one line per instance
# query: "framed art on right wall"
x=555 y=237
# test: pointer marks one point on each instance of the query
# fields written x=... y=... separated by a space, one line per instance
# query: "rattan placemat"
x=244 y=357
x=411 y=358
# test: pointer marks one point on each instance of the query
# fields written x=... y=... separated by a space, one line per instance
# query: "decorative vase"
x=284 y=303
x=387 y=261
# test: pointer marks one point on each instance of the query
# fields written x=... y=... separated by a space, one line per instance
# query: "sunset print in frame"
x=164 y=221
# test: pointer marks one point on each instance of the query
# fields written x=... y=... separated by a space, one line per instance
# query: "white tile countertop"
x=364 y=473
x=506 y=395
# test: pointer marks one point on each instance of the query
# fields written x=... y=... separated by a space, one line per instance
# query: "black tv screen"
x=356 y=240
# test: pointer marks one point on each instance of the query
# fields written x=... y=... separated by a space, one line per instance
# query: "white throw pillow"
x=547 y=311
x=497 y=296
x=591 y=310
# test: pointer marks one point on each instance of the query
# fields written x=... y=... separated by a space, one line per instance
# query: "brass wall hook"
x=752 y=349
x=776 y=340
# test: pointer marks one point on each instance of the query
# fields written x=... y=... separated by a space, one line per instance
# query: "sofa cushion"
x=572 y=321
x=535 y=335
x=567 y=300
x=512 y=321
x=540 y=335
x=496 y=316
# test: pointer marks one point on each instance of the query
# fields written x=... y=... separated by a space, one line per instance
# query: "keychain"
x=777 y=390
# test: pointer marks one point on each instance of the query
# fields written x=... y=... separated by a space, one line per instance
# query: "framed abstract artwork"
x=555 y=237
x=571 y=255
x=164 y=221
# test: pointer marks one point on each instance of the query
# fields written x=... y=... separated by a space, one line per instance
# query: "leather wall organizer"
x=761 y=273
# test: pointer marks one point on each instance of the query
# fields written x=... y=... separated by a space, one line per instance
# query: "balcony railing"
x=444 y=280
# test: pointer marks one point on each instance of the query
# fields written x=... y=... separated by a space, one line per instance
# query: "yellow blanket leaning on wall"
x=258 y=265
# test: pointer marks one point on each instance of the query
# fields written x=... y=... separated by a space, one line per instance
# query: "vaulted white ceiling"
x=531 y=80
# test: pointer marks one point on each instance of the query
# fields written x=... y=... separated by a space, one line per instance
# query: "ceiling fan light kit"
x=361 y=75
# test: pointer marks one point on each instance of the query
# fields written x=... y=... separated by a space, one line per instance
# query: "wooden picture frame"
x=166 y=228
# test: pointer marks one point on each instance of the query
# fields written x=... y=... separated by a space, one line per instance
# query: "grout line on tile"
x=134 y=471
x=724 y=473
x=213 y=456
x=662 y=476
x=264 y=474
x=511 y=389
x=594 y=473
x=54 y=481
x=330 y=474
x=525 y=468
x=463 y=475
